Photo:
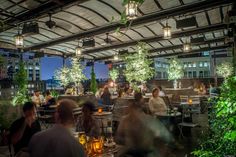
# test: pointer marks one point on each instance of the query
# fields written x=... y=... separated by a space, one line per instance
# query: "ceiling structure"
x=76 y=20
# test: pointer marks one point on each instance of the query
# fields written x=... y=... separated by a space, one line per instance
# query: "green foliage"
x=55 y=94
x=20 y=79
x=6 y=116
x=123 y=18
x=221 y=139
x=225 y=69
x=2 y=61
x=138 y=67
x=93 y=85
x=175 y=70
x=113 y=74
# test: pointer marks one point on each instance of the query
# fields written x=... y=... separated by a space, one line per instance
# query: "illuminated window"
x=200 y=64
x=189 y=65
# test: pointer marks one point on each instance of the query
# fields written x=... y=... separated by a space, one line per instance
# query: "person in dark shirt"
x=24 y=128
x=86 y=122
x=106 y=96
x=59 y=140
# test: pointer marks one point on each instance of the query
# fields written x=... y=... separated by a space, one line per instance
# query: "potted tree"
x=93 y=84
x=138 y=67
x=175 y=71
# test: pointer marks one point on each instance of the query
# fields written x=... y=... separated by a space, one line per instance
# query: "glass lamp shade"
x=187 y=47
x=19 y=41
x=131 y=10
x=190 y=101
x=116 y=58
x=97 y=146
x=100 y=110
x=167 y=32
x=78 y=51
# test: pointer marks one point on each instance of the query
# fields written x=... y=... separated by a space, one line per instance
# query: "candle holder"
x=97 y=145
x=190 y=101
x=100 y=110
x=82 y=138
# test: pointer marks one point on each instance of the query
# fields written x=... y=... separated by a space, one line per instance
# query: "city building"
x=202 y=66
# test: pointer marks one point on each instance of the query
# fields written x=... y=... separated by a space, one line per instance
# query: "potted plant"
x=93 y=84
x=175 y=71
x=138 y=67
x=113 y=74
x=20 y=80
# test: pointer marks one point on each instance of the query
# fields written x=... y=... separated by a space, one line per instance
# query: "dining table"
x=109 y=148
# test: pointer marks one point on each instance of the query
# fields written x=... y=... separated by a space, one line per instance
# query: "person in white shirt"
x=161 y=93
x=156 y=103
x=37 y=98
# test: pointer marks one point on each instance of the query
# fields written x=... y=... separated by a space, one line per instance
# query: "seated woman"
x=86 y=123
x=106 y=97
x=48 y=96
x=156 y=103
x=120 y=109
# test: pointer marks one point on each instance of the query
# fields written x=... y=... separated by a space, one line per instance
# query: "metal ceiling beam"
x=189 y=8
x=192 y=52
x=160 y=37
x=51 y=6
x=171 y=47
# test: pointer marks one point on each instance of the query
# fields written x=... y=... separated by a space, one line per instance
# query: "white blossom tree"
x=76 y=72
x=175 y=71
x=138 y=67
x=113 y=74
x=63 y=75
x=225 y=69
x=71 y=75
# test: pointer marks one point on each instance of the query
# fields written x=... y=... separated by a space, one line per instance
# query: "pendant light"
x=167 y=31
x=131 y=10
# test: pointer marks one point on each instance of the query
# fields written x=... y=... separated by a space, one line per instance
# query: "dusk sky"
x=50 y=64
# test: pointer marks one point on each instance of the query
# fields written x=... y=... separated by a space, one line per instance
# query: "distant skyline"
x=50 y=64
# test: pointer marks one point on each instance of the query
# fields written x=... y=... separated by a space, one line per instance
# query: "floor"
x=189 y=143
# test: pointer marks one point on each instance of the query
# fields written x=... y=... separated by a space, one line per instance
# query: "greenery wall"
x=220 y=141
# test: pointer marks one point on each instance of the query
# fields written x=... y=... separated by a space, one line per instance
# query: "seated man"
x=24 y=128
x=58 y=141
x=37 y=98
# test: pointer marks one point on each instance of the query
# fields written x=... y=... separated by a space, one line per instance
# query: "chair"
x=167 y=101
x=183 y=98
x=77 y=112
x=186 y=113
x=197 y=107
x=105 y=122
x=45 y=116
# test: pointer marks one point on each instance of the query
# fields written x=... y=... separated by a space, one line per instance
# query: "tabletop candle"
x=190 y=101
x=100 y=110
